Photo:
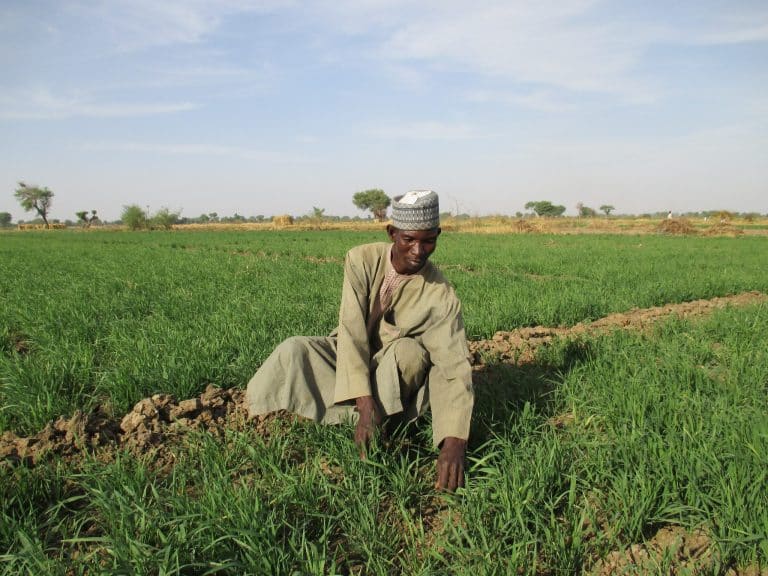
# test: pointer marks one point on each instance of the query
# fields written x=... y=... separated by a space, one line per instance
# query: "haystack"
x=723 y=229
x=282 y=220
x=675 y=226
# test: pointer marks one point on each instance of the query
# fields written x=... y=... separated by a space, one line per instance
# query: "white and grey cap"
x=416 y=210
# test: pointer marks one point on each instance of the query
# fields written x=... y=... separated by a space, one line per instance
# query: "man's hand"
x=450 y=464
x=367 y=423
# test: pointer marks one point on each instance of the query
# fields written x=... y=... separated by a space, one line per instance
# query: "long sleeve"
x=353 y=378
x=451 y=395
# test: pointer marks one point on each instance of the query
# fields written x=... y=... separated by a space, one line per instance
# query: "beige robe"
x=415 y=356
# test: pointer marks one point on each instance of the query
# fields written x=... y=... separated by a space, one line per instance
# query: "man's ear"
x=391 y=232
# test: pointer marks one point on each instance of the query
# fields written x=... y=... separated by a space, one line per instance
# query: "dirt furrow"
x=519 y=346
x=161 y=419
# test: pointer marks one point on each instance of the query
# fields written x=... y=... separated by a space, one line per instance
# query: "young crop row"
x=576 y=456
x=112 y=317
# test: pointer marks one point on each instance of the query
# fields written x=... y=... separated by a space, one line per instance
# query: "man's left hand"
x=450 y=464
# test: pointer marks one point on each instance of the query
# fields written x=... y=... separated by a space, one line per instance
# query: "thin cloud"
x=738 y=23
x=539 y=100
x=740 y=35
x=575 y=45
x=42 y=105
x=546 y=45
x=210 y=150
x=426 y=131
x=209 y=72
x=757 y=107
x=140 y=24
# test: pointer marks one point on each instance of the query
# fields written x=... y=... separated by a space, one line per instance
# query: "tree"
x=585 y=211
x=5 y=219
x=165 y=219
x=374 y=200
x=35 y=198
x=607 y=208
x=134 y=217
x=545 y=208
x=317 y=216
x=86 y=220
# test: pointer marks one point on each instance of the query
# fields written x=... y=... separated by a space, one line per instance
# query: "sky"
x=280 y=106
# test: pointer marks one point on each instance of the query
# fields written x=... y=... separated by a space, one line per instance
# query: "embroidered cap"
x=416 y=210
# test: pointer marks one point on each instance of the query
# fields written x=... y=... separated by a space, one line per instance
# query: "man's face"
x=411 y=248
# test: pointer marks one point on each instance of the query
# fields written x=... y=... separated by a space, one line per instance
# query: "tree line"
x=39 y=199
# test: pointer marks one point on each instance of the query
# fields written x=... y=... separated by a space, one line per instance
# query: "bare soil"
x=672 y=550
x=155 y=425
x=519 y=346
x=152 y=426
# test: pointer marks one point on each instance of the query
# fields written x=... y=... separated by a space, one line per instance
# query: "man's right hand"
x=367 y=423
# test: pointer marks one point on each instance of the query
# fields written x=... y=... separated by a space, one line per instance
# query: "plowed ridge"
x=519 y=346
x=155 y=421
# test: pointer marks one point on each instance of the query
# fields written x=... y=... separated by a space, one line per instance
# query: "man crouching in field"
x=399 y=347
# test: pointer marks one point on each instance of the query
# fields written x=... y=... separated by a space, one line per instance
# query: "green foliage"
x=317 y=215
x=683 y=443
x=545 y=208
x=667 y=426
x=374 y=200
x=217 y=303
x=5 y=219
x=607 y=208
x=134 y=217
x=585 y=211
x=164 y=219
x=86 y=220
x=35 y=198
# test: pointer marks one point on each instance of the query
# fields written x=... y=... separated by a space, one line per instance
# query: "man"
x=399 y=348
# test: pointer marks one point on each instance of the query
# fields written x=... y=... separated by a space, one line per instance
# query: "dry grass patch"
x=676 y=226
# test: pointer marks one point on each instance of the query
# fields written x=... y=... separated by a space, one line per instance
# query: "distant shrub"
x=134 y=217
x=164 y=219
x=522 y=226
x=723 y=215
x=751 y=216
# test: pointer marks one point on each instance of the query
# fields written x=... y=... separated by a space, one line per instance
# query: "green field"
x=665 y=427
